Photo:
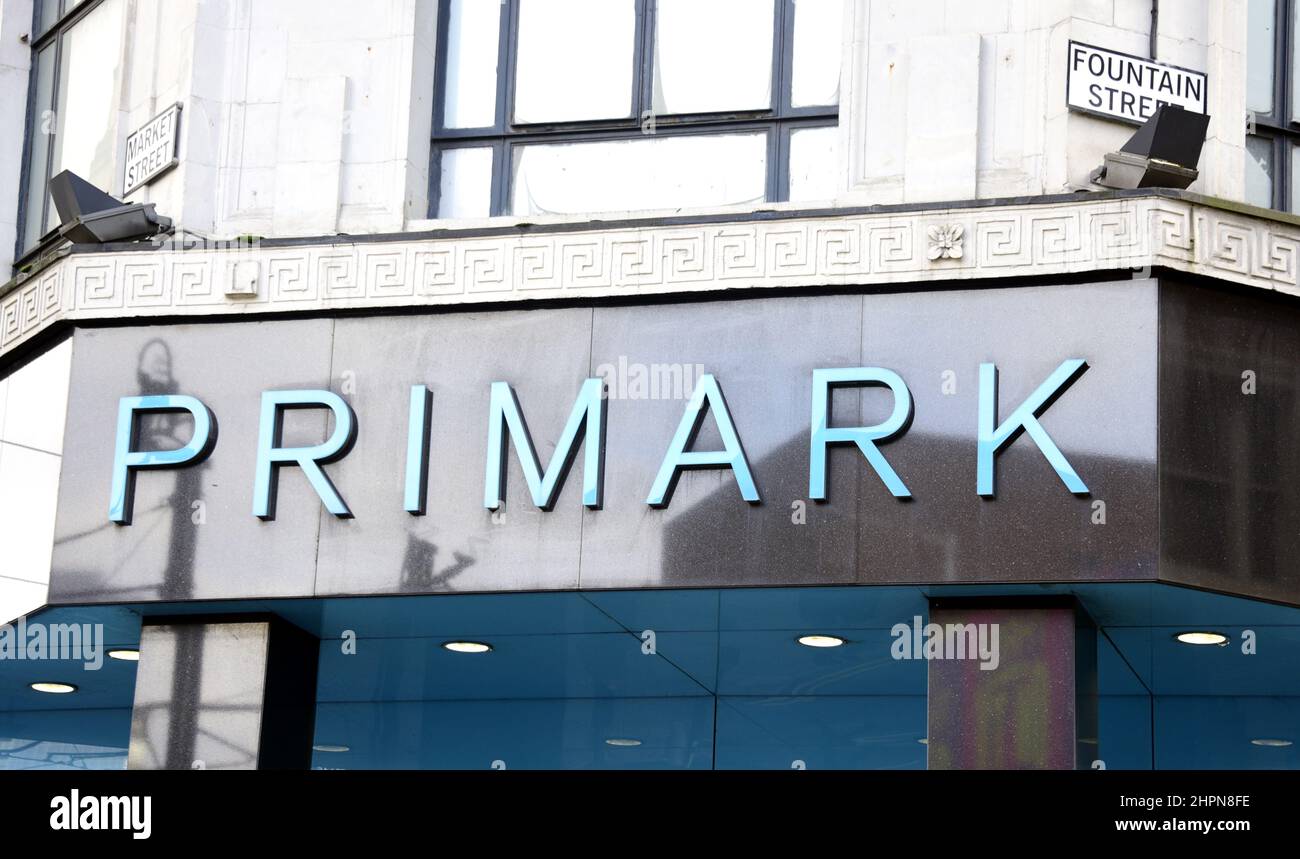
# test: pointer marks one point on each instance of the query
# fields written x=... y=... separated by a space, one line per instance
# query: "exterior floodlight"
x=1162 y=154
x=89 y=216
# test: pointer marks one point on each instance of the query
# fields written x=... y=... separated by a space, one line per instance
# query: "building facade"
x=649 y=384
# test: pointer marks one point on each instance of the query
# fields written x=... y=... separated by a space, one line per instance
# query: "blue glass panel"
x=1125 y=741
x=1198 y=732
x=688 y=679
x=671 y=733
x=849 y=732
x=64 y=739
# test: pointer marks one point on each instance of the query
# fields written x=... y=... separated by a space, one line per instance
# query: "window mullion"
x=778 y=177
x=502 y=156
x=783 y=57
x=649 y=11
x=506 y=49
x=639 y=51
x=440 y=64
x=1282 y=95
x=1282 y=64
x=51 y=136
x=1276 y=179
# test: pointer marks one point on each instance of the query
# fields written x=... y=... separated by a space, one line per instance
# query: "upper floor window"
x=73 y=104
x=573 y=106
x=1273 y=105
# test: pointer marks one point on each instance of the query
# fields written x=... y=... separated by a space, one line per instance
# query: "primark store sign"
x=899 y=437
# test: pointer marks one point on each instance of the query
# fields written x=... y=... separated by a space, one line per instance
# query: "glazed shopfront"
x=685 y=532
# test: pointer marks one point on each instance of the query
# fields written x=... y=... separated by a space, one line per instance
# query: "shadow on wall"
x=1033 y=530
x=172 y=497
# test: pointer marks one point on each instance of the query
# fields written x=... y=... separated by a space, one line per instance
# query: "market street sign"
x=151 y=150
x=1128 y=88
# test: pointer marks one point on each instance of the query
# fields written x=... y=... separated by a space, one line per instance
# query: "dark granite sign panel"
x=1081 y=357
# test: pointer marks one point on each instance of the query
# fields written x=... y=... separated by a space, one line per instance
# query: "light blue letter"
x=993 y=438
x=823 y=434
x=587 y=416
x=126 y=460
x=707 y=395
x=270 y=456
x=417 y=450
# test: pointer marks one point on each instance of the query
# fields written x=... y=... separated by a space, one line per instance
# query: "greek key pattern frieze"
x=986 y=244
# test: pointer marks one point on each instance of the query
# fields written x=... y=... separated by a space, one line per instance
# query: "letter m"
x=65 y=640
x=116 y=812
x=587 y=418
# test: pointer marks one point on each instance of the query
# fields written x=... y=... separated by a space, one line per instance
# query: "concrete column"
x=1037 y=709
x=223 y=695
x=1223 y=160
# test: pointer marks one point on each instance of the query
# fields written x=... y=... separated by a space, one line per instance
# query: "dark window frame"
x=50 y=37
x=778 y=120
x=1277 y=127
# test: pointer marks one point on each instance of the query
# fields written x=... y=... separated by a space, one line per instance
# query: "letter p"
x=127 y=460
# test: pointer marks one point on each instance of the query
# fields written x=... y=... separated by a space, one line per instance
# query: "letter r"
x=824 y=435
x=270 y=455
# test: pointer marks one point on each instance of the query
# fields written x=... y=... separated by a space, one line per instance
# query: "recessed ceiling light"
x=1202 y=638
x=54 y=688
x=820 y=640
x=467 y=646
x=1271 y=742
x=125 y=655
x=622 y=742
x=324 y=747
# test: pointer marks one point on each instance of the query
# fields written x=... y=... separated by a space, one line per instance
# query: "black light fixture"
x=87 y=215
x=1162 y=153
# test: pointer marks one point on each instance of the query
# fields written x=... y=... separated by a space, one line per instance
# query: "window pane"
x=644 y=173
x=86 y=139
x=473 y=34
x=713 y=55
x=1260 y=22
x=466 y=183
x=1295 y=186
x=40 y=127
x=49 y=13
x=818 y=28
x=1259 y=171
x=574 y=60
x=814 y=163
x=1295 y=73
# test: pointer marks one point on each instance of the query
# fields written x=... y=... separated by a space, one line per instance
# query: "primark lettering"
x=585 y=429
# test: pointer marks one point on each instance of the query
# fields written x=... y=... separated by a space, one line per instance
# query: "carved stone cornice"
x=1027 y=238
